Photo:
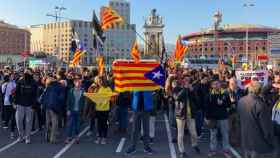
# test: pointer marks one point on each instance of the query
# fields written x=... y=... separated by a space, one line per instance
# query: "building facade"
x=120 y=38
x=13 y=40
x=55 y=39
x=229 y=40
x=153 y=33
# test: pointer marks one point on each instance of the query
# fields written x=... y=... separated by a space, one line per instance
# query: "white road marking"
x=235 y=153
x=171 y=145
x=120 y=146
x=14 y=143
x=63 y=150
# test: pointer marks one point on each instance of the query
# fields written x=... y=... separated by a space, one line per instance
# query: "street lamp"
x=247 y=6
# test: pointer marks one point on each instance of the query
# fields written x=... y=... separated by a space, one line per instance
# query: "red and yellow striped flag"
x=109 y=18
x=180 y=50
x=135 y=53
x=130 y=76
x=101 y=66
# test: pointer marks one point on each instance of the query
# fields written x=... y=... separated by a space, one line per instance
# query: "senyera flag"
x=144 y=76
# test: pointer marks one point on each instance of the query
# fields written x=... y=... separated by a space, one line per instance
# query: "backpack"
x=276 y=118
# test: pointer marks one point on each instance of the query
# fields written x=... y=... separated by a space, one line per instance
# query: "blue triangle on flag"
x=157 y=75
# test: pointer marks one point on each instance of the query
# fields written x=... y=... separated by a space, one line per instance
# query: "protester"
x=276 y=120
x=25 y=98
x=217 y=113
x=256 y=124
x=52 y=100
x=141 y=106
x=235 y=94
x=8 y=88
x=123 y=101
x=38 y=109
x=75 y=103
x=102 y=112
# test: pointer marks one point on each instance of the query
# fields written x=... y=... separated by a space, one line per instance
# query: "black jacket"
x=214 y=111
x=26 y=92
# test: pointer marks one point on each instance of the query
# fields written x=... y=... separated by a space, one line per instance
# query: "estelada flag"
x=129 y=76
x=101 y=66
x=109 y=18
x=135 y=54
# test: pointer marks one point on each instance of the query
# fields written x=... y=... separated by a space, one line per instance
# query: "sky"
x=180 y=16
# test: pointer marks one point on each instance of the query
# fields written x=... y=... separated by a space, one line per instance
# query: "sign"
x=36 y=63
x=245 y=77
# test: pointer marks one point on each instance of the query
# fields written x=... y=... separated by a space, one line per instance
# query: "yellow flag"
x=100 y=98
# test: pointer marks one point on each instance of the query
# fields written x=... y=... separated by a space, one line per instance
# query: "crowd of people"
x=245 y=117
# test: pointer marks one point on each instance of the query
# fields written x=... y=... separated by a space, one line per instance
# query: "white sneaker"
x=12 y=136
x=97 y=141
x=89 y=133
x=103 y=141
x=27 y=141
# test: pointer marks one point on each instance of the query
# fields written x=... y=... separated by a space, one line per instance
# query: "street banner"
x=245 y=77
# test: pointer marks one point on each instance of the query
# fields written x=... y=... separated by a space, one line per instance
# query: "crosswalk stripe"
x=14 y=143
x=171 y=145
x=120 y=146
x=63 y=150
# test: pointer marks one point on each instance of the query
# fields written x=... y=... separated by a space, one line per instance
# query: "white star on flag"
x=157 y=75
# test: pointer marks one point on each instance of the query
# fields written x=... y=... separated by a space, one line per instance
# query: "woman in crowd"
x=102 y=112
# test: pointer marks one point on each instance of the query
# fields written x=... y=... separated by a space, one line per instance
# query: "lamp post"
x=217 y=21
x=247 y=6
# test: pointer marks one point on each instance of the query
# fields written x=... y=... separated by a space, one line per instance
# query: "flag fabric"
x=24 y=54
x=100 y=98
x=129 y=76
x=135 y=54
x=78 y=54
x=98 y=34
x=157 y=75
x=101 y=65
x=110 y=18
x=180 y=50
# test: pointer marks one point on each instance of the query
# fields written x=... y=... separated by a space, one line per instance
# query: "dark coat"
x=26 y=92
x=214 y=111
x=256 y=124
x=53 y=97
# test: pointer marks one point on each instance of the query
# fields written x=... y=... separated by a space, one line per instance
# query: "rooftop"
x=6 y=25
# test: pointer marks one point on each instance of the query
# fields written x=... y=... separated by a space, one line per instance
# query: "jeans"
x=233 y=130
x=192 y=130
x=24 y=114
x=222 y=125
x=9 y=117
x=73 y=124
x=171 y=115
x=102 y=123
x=277 y=147
x=40 y=116
x=123 y=117
x=152 y=126
x=140 y=117
x=51 y=125
x=199 y=120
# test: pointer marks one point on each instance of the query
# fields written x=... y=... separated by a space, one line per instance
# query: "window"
x=241 y=48
x=263 y=48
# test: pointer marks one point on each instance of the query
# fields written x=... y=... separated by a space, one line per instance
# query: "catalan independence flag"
x=180 y=49
x=109 y=18
x=78 y=54
x=131 y=76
